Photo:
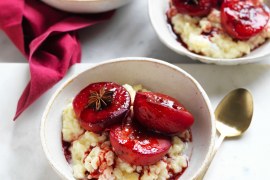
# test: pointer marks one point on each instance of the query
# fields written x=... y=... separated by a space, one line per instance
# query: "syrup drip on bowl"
x=177 y=37
x=67 y=153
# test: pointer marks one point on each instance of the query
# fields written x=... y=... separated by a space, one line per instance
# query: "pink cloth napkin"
x=47 y=38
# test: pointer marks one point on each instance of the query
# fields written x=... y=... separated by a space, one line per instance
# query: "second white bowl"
x=157 y=13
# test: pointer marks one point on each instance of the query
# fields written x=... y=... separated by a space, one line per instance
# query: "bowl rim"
x=194 y=56
x=128 y=59
x=82 y=6
x=83 y=0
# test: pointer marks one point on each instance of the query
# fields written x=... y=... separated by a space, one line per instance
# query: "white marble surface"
x=244 y=158
x=128 y=33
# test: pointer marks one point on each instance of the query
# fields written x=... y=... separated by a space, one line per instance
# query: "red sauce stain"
x=65 y=148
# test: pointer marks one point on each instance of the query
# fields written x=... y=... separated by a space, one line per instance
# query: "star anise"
x=100 y=100
x=193 y=2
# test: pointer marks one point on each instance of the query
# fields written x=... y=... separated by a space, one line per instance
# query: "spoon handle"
x=208 y=163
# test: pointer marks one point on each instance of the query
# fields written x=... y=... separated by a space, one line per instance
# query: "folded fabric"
x=47 y=38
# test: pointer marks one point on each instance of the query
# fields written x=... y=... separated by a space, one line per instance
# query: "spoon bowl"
x=234 y=113
x=267 y=2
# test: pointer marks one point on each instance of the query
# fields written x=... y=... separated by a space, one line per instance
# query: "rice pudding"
x=92 y=157
x=206 y=36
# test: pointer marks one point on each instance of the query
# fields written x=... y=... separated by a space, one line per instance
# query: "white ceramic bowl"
x=86 y=6
x=157 y=13
x=154 y=75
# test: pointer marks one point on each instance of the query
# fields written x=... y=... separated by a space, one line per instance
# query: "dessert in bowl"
x=113 y=157
x=86 y=6
x=221 y=33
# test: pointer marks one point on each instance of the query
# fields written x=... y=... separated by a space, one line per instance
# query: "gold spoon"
x=233 y=117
